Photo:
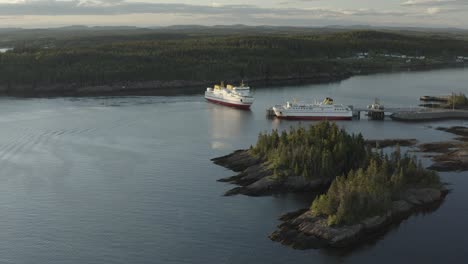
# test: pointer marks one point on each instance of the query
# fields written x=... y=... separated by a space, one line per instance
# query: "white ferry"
x=234 y=96
x=325 y=110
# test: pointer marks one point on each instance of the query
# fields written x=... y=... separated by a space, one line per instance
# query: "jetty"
x=377 y=111
x=380 y=114
x=429 y=115
x=372 y=113
x=428 y=98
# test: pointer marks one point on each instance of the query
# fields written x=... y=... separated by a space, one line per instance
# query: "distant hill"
x=104 y=59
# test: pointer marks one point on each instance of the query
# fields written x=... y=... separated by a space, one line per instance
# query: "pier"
x=440 y=99
x=430 y=115
x=380 y=113
x=377 y=111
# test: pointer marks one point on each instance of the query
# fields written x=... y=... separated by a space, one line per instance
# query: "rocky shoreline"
x=449 y=155
x=255 y=178
x=302 y=230
x=384 y=143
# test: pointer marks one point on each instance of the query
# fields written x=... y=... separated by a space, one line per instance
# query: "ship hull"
x=316 y=118
x=294 y=115
x=230 y=104
x=323 y=111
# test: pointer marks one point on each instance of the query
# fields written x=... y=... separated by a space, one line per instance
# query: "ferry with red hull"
x=233 y=96
x=325 y=110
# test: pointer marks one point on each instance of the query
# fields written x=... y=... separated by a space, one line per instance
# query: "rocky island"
x=364 y=189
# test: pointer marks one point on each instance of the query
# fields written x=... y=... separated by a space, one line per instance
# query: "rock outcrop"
x=449 y=155
x=383 y=143
x=302 y=230
x=255 y=178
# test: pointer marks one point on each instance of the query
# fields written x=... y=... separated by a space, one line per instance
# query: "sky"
x=306 y=13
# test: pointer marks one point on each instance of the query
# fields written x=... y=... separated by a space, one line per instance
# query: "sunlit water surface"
x=129 y=179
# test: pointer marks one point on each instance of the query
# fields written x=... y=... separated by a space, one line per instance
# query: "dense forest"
x=322 y=150
x=369 y=191
x=370 y=179
x=102 y=58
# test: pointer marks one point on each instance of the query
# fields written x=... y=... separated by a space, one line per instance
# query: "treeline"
x=369 y=191
x=98 y=60
x=458 y=101
x=365 y=180
x=320 y=151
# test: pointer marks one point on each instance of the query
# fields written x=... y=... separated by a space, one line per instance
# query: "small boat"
x=326 y=110
x=234 y=96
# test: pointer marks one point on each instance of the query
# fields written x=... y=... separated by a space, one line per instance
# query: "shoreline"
x=302 y=230
x=188 y=87
x=449 y=155
x=255 y=177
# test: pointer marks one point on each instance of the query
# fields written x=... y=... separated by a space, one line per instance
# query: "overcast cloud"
x=42 y=13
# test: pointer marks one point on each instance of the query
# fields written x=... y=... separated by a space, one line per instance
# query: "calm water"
x=129 y=180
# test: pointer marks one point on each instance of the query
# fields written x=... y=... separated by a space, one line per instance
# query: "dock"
x=430 y=115
x=441 y=99
x=377 y=111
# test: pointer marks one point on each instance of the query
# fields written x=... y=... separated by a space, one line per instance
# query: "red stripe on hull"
x=243 y=106
x=315 y=118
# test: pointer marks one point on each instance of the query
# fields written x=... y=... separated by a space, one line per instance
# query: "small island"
x=299 y=160
x=362 y=203
x=364 y=189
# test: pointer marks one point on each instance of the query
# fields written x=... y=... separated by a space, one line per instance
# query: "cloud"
x=438 y=7
x=114 y=7
x=433 y=10
x=149 y=13
x=435 y=3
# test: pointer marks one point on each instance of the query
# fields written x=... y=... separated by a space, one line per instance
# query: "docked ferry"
x=325 y=110
x=234 y=96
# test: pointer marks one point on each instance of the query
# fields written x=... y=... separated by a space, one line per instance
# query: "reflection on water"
x=129 y=179
x=227 y=123
x=375 y=238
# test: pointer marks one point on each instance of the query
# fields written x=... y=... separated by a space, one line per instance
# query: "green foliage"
x=146 y=56
x=368 y=191
x=321 y=151
x=458 y=100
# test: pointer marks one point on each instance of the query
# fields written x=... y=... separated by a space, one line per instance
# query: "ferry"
x=326 y=110
x=234 y=96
